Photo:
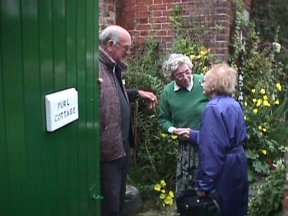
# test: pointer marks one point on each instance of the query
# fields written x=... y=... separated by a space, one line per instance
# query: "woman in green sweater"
x=181 y=105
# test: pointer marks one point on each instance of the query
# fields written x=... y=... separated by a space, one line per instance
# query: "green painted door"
x=47 y=46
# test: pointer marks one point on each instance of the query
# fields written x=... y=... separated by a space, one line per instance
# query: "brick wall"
x=107 y=12
x=146 y=19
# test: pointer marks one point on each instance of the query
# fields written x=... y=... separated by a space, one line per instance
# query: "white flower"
x=276 y=47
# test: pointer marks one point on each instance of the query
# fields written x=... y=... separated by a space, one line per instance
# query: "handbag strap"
x=217 y=205
x=216 y=200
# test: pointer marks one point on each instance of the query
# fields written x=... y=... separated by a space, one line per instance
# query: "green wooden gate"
x=48 y=46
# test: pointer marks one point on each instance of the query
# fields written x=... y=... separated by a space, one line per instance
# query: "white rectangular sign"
x=61 y=108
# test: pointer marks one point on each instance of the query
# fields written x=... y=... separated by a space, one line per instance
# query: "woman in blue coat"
x=222 y=159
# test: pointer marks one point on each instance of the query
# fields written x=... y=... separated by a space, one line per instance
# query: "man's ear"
x=110 y=43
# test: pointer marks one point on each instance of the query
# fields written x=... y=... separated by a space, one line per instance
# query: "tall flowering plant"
x=263 y=109
x=263 y=93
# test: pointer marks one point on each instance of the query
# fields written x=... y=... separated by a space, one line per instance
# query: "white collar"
x=189 y=88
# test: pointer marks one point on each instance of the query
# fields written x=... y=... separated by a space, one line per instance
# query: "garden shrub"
x=152 y=157
x=263 y=93
x=269 y=198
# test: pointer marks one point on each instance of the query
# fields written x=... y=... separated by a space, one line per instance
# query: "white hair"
x=110 y=33
x=222 y=79
x=173 y=63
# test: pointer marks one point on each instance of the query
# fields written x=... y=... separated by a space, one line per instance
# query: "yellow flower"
x=254 y=100
x=264 y=130
x=262 y=91
x=278 y=86
x=277 y=102
x=168 y=200
x=171 y=194
x=162 y=196
x=157 y=187
x=203 y=52
x=259 y=127
x=245 y=104
x=255 y=111
x=264 y=152
x=259 y=102
x=192 y=57
x=265 y=97
x=164 y=135
x=167 y=197
x=266 y=103
x=253 y=90
x=174 y=137
x=162 y=183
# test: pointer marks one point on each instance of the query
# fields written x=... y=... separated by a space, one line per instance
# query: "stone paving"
x=167 y=211
x=141 y=209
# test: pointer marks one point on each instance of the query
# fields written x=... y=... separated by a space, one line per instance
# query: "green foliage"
x=269 y=197
x=144 y=69
x=198 y=53
x=263 y=92
x=270 y=16
x=176 y=18
x=190 y=41
x=153 y=155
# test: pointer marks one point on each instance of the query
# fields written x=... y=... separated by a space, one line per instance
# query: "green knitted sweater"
x=182 y=108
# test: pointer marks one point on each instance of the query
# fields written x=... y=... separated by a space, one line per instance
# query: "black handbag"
x=189 y=204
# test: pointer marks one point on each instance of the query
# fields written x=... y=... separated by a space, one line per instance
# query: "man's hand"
x=150 y=96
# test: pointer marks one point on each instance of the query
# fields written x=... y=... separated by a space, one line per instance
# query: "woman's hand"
x=201 y=193
x=182 y=133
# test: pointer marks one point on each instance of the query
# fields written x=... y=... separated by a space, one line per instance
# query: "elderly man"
x=116 y=135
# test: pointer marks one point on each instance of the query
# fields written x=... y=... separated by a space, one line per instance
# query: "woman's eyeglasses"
x=181 y=75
